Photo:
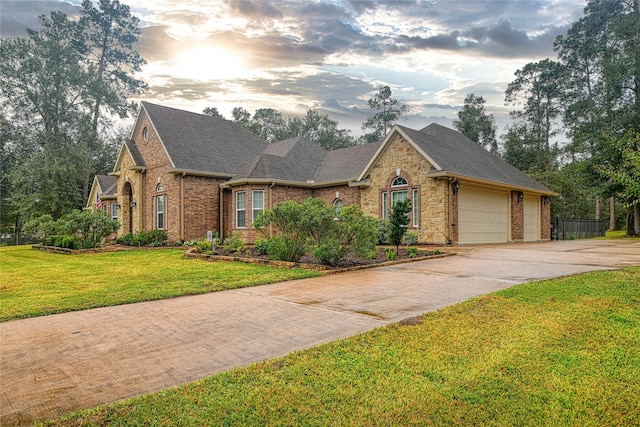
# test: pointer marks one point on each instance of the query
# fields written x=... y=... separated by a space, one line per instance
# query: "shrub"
x=383 y=228
x=235 y=244
x=410 y=238
x=283 y=249
x=128 y=239
x=328 y=252
x=262 y=246
x=436 y=252
x=390 y=254
x=203 y=246
x=82 y=229
x=412 y=252
x=399 y=221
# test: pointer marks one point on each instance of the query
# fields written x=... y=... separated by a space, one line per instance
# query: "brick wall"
x=517 y=217
x=545 y=218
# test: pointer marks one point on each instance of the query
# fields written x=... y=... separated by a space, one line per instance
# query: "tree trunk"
x=612 y=213
x=597 y=207
x=630 y=221
x=636 y=220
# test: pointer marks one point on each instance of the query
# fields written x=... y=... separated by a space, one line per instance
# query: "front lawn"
x=36 y=283
x=562 y=352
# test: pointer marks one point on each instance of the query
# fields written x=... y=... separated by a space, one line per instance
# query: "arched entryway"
x=127 y=208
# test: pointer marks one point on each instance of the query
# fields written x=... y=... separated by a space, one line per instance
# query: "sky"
x=331 y=55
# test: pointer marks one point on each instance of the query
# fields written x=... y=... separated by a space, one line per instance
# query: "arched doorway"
x=127 y=208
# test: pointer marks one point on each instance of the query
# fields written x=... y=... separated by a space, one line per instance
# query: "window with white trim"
x=337 y=205
x=398 y=196
x=115 y=211
x=385 y=204
x=240 y=209
x=415 y=205
x=399 y=181
x=160 y=207
x=257 y=204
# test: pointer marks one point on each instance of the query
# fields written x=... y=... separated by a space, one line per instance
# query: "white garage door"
x=483 y=216
x=531 y=219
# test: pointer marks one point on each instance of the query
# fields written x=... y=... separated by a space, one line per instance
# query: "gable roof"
x=107 y=185
x=298 y=160
x=294 y=159
x=129 y=147
x=451 y=153
x=200 y=143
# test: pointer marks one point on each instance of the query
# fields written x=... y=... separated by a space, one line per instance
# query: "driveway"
x=53 y=365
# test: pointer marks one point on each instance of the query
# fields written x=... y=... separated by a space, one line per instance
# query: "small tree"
x=399 y=221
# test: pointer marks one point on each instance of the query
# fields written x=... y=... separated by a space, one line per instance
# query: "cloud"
x=17 y=16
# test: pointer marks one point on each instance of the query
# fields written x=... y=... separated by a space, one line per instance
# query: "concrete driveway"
x=53 y=365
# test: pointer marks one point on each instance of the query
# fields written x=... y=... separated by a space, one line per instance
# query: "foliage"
x=213 y=112
x=314 y=224
x=412 y=251
x=476 y=124
x=235 y=244
x=390 y=254
x=59 y=85
x=204 y=246
x=388 y=110
x=410 y=238
x=399 y=221
x=86 y=229
x=383 y=228
x=262 y=246
x=318 y=128
x=37 y=283
x=144 y=238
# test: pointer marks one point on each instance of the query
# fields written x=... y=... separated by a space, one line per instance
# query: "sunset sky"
x=331 y=54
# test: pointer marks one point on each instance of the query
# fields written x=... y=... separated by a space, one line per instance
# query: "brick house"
x=188 y=173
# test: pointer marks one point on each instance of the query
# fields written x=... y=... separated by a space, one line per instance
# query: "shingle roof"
x=457 y=154
x=294 y=159
x=137 y=158
x=345 y=163
x=197 y=142
x=108 y=185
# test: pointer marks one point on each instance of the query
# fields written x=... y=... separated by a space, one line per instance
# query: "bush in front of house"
x=314 y=226
x=144 y=238
x=75 y=230
x=383 y=228
x=399 y=221
x=235 y=244
x=410 y=238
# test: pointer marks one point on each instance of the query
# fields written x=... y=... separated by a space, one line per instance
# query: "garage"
x=531 y=219
x=483 y=216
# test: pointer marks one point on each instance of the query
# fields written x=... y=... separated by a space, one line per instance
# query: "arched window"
x=145 y=133
x=159 y=188
x=337 y=205
x=399 y=181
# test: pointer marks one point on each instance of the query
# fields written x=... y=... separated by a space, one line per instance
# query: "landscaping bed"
x=351 y=262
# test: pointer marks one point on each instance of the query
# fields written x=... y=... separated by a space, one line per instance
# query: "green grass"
x=616 y=234
x=562 y=352
x=36 y=283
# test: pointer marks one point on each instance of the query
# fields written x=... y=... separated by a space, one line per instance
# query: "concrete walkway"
x=53 y=365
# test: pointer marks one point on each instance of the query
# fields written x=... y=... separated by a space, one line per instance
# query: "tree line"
x=62 y=86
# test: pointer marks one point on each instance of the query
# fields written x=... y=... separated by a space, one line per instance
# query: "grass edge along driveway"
x=555 y=353
x=35 y=283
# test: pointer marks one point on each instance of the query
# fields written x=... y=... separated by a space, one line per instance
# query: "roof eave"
x=191 y=172
x=306 y=184
x=471 y=179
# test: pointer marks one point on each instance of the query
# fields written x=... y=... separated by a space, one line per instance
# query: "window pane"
x=160 y=212
x=398 y=196
x=384 y=205
x=240 y=209
x=416 y=209
x=257 y=203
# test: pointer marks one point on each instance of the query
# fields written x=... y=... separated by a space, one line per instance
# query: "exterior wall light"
x=456 y=187
x=133 y=203
x=520 y=197
x=545 y=200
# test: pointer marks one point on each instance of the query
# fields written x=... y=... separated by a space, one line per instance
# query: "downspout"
x=221 y=212
x=273 y=184
x=182 y=177
x=450 y=209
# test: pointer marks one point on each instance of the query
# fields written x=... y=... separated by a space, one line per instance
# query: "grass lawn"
x=36 y=283
x=562 y=352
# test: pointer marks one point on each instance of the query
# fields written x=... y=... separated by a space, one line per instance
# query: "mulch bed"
x=351 y=262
